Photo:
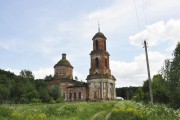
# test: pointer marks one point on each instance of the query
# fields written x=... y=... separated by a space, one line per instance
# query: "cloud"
x=38 y=74
x=79 y=76
x=15 y=71
x=159 y=32
x=42 y=72
x=135 y=72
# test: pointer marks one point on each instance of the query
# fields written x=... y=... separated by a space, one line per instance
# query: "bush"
x=23 y=100
x=35 y=100
x=60 y=100
x=127 y=114
x=5 y=112
x=52 y=101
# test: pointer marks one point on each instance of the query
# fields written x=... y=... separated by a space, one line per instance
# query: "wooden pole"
x=148 y=70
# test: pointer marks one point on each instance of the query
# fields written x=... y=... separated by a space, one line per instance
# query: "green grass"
x=117 y=110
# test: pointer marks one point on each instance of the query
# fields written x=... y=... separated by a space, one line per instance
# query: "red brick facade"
x=72 y=90
x=100 y=83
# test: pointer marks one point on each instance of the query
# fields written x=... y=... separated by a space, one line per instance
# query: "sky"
x=35 y=33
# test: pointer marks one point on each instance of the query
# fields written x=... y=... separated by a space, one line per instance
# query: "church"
x=100 y=83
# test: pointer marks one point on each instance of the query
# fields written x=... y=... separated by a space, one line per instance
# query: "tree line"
x=165 y=84
x=24 y=88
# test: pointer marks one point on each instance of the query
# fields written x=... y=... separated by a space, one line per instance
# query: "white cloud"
x=112 y=17
x=15 y=71
x=42 y=72
x=159 y=32
x=135 y=72
x=38 y=74
x=79 y=76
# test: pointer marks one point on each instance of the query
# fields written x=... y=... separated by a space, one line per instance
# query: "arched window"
x=106 y=65
x=105 y=45
x=97 y=62
x=70 y=96
x=97 y=45
x=74 y=95
x=79 y=95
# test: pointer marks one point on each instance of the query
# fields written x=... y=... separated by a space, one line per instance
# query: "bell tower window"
x=97 y=45
x=97 y=62
x=106 y=65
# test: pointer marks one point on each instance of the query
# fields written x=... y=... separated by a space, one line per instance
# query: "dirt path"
x=107 y=116
x=96 y=115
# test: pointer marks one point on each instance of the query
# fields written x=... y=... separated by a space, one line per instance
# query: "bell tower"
x=100 y=81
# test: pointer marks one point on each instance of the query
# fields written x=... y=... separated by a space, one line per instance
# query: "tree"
x=27 y=74
x=48 y=77
x=44 y=94
x=55 y=92
x=160 y=89
x=165 y=71
x=174 y=82
x=76 y=78
x=4 y=93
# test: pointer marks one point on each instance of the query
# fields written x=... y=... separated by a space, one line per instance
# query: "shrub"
x=5 y=111
x=127 y=114
x=60 y=100
x=52 y=101
x=23 y=100
x=36 y=100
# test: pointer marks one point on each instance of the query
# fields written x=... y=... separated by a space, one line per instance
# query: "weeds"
x=121 y=110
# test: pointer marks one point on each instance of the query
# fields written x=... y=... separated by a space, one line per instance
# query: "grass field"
x=108 y=110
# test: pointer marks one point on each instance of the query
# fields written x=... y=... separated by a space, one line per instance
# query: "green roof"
x=63 y=62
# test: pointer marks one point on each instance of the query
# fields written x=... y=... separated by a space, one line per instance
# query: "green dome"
x=63 y=62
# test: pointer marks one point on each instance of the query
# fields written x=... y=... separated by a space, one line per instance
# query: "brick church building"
x=100 y=83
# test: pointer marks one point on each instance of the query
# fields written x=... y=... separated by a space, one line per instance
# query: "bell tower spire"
x=98 y=26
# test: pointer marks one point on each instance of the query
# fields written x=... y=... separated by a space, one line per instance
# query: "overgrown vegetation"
x=166 y=85
x=109 y=110
x=129 y=110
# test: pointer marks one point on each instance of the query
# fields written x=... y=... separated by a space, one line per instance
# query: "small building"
x=100 y=83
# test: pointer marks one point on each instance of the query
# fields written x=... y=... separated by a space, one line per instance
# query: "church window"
x=64 y=95
x=97 y=62
x=79 y=95
x=97 y=45
x=106 y=65
x=70 y=96
x=74 y=95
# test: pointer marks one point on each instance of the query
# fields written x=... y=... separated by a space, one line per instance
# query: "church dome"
x=99 y=34
x=63 y=62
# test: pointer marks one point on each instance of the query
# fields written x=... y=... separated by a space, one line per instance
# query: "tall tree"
x=174 y=83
